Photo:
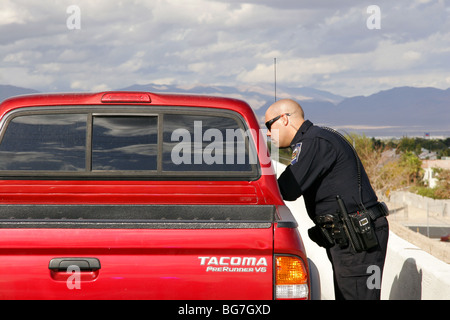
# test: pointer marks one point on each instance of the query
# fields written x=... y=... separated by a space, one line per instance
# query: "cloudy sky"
x=85 y=45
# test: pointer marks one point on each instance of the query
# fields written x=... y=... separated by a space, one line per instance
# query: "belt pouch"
x=321 y=236
x=363 y=227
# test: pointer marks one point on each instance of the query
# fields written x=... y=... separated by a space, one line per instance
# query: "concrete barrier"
x=410 y=273
x=439 y=208
x=413 y=274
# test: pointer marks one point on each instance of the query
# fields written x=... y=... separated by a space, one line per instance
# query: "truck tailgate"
x=137 y=257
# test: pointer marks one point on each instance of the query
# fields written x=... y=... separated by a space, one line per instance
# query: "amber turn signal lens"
x=291 y=270
x=291 y=278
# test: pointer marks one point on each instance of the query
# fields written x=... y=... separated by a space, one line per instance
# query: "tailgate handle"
x=85 y=264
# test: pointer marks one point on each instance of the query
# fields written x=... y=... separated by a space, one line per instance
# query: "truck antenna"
x=275 y=76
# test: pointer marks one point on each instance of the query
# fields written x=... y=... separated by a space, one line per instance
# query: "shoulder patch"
x=296 y=153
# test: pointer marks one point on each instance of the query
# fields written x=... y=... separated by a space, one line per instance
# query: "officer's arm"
x=316 y=157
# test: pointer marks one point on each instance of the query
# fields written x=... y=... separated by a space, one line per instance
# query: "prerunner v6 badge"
x=234 y=264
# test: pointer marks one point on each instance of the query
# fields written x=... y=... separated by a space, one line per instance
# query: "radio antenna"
x=275 y=77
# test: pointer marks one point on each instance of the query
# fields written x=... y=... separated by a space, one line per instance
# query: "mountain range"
x=401 y=111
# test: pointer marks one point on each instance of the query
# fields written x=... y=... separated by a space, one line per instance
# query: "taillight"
x=291 y=278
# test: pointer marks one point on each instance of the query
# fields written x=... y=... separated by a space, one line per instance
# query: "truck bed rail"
x=137 y=216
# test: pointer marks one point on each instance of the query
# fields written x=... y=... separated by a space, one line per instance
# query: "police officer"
x=324 y=167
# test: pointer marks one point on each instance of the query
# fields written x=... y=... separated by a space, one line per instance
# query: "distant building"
x=427 y=155
x=430 y=176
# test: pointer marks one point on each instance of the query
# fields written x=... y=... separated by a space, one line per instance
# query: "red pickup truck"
x=136 y=195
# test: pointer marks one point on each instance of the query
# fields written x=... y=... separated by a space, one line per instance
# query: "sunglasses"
x=270 y=122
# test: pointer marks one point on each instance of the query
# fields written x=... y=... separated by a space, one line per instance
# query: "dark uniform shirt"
x=323 y=166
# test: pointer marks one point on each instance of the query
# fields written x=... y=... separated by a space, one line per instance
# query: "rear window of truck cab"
x=127 y=142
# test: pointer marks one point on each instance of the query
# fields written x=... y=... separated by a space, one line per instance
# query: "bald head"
x=288 y=116
x=287 y=106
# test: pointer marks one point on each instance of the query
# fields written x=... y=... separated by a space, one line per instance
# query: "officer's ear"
x=285 y=119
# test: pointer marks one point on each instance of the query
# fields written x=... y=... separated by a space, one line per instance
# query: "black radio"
x=364 y=229
x=358 y=228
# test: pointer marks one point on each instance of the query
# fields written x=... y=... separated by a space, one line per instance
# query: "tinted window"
x=124 y=143
x=45 y=142
x=141 y=145
x=204 y=143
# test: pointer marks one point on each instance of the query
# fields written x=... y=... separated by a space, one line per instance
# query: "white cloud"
x=11 y=13
x=320 y=44
x=21 y=76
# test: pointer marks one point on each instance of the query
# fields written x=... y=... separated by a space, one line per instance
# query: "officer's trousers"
x=357 y=276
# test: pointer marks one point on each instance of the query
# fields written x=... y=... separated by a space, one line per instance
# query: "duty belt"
x=378 y=210
x=375 y=212
x=348 y=228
